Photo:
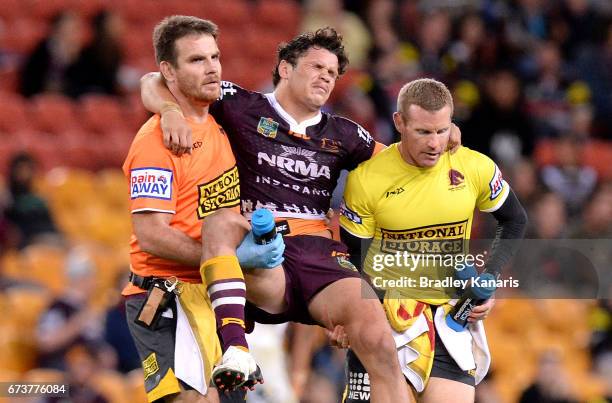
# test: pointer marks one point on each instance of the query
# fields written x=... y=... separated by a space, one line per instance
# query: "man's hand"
x=254 y=256
x=481 y=312
x=454 y=140
x=176 y=132
x=338 y=337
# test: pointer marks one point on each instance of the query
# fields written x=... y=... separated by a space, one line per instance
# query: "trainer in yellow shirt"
x=424 y=214
x=410 y=209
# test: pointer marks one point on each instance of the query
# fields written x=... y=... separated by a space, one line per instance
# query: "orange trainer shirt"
x=188 y=187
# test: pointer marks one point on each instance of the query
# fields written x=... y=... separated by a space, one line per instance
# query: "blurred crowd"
x=532 y=84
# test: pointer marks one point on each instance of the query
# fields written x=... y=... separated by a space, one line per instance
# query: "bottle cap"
x=262 y=221
x=484 y=286
x=467 y=273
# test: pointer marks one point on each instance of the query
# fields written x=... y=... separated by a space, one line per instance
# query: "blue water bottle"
x=467 y=273
x=482 y=289
x=262 y=224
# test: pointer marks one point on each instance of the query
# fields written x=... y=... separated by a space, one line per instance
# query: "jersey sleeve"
x=492 y=188
x=361 y=145
x=356 y=212
x=152 y=176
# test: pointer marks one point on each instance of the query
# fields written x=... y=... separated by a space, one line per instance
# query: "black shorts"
x=311 y=264
x=444 y=366
x=156 y=350
x=358 y=381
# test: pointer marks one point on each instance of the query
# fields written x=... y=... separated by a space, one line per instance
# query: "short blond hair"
x=429 y=94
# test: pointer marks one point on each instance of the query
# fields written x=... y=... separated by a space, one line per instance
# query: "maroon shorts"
x=311 y=264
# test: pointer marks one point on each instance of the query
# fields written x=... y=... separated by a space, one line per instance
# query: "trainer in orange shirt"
x=170 y=197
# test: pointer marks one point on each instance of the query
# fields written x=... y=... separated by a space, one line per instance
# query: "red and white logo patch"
x=496 y=184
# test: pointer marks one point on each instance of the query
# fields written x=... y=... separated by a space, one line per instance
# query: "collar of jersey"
x=414 y=167
x=293 y=124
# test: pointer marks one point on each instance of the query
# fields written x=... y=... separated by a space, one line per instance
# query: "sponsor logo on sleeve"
x=227 y=88
x=153 y=183
x=496 y=184
x=350 y=214
x=221 y=192
x=364 y=135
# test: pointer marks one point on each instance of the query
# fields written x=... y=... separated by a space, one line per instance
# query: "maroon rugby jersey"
x=288 y=168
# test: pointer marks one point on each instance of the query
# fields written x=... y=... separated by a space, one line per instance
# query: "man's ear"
x=398 y=120
x=284 y=68
x=167 y=70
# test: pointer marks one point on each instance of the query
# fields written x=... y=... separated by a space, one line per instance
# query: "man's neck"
x=295 y=109
x=195 y=111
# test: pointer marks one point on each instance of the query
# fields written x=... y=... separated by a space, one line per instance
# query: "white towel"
x=468 y=348
x=187 y=367
x=407 y=354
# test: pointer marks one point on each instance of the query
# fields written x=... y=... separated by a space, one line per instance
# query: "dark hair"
x=173 y=28
x=324 y=38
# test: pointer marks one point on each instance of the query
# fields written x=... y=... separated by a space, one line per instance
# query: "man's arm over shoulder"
x=157 y=98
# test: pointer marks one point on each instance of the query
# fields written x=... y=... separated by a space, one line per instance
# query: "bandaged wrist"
x=170 y=106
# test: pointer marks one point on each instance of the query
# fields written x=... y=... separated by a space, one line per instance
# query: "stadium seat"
x=14 y=113
x=229 y=15
x=268 y=11
x=11 y=10
x=53 y=113
x=45 y=147
x=23 y=308
x=45 y=10
x=101 y=113
x=22 y=35
x=7 y=375
x=89 y=8
x=80 y=149
x=9 y=77
x=261 y=45
x=44 y=264
x=139 y=13
x=113 y=189
x=44 y=375
x=117 y=146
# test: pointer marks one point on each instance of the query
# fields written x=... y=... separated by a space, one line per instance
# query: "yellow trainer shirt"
x=419 y=218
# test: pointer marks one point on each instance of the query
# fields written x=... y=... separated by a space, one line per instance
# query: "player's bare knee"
x=377 y=340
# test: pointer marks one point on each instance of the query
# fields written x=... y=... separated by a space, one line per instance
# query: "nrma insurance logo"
x=296 y=163
x=154 y=183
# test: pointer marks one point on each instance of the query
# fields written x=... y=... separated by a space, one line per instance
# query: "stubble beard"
x=194 y=93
